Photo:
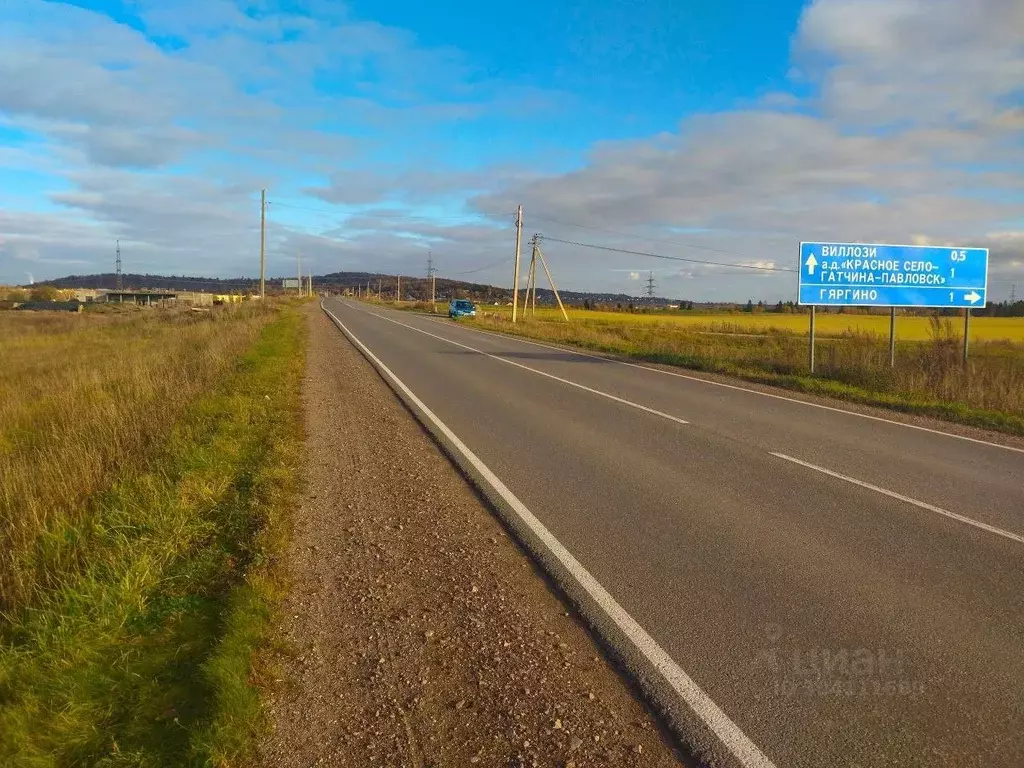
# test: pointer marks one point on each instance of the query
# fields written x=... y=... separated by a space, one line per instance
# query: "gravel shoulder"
x=418 y=633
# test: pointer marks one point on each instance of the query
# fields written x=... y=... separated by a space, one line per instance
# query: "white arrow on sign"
x=972 y=297
x=811 y=264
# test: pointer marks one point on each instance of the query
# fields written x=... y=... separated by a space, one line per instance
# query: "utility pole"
x=1013 y=293
x=531 y=281
x=430 y=274
x=378 y=289
x=263 y=243
x=118 y=265
x=398 y=294
x=650 y=285
x=515 y=273
x=551 y=280
x=299 y=257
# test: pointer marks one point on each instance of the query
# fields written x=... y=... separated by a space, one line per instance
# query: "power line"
x=390 y=214
x=499 y=262
x=634 y=236
x=668 y=258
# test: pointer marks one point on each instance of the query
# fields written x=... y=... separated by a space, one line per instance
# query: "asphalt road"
x=873 y=616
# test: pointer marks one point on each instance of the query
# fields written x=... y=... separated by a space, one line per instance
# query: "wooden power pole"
x=515 y=272
x=263 y=243
x=539 y=254
x=430 y=274
x=531 y=283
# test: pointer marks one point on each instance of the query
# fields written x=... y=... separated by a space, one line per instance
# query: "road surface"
x=846 y=591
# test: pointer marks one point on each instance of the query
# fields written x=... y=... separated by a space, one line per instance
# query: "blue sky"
x=730 y=129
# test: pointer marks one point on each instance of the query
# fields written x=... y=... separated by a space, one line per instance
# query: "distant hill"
x=418 y=288
x=414 y=288
x=135 y=282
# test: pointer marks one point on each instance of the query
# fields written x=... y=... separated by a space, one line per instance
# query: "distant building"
x=142 y=298
x=149 y=298
x=85 y=294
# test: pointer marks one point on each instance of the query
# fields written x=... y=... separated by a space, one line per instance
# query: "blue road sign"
x=868 y=274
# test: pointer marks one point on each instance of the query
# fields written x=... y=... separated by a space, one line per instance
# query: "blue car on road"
x=461 y=308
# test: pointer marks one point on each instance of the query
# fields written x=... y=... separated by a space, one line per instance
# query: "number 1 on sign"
x=952 y=271
x=950 y=297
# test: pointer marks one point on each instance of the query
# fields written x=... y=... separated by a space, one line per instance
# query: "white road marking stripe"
x=892 y=494
x=585 y=388
x=742 y=389
x=742 y=748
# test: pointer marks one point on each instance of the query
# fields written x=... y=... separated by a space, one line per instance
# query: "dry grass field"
x=143 y=456
x=907 y=328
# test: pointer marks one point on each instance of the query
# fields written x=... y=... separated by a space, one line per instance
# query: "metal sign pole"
x=812 y=339
x=892 y=337
x=967 y=331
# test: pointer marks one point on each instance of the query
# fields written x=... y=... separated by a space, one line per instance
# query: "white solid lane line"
x=678 y=375
x=585 y=388
x=892 y=494
x=737 y=742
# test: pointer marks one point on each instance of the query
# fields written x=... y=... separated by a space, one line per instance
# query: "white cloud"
x=164 y=147
x=913 y=133
x=914 y=130
x=762 y=264
x=932 y=62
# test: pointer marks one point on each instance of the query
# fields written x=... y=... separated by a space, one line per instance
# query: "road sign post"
x=967 y=331
x=892 y=337
x=811 y=361
x=879 y=275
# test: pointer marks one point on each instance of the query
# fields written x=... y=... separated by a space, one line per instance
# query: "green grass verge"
x=149 y=654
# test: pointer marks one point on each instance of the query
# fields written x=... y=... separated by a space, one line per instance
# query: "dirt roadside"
x=420 y=634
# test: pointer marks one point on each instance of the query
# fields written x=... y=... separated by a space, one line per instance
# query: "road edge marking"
x=909 y=500
x=727 y=732
x=772 y=395
x=584 y=387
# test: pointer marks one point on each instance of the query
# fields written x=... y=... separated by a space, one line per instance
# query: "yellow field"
x=907 y=328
